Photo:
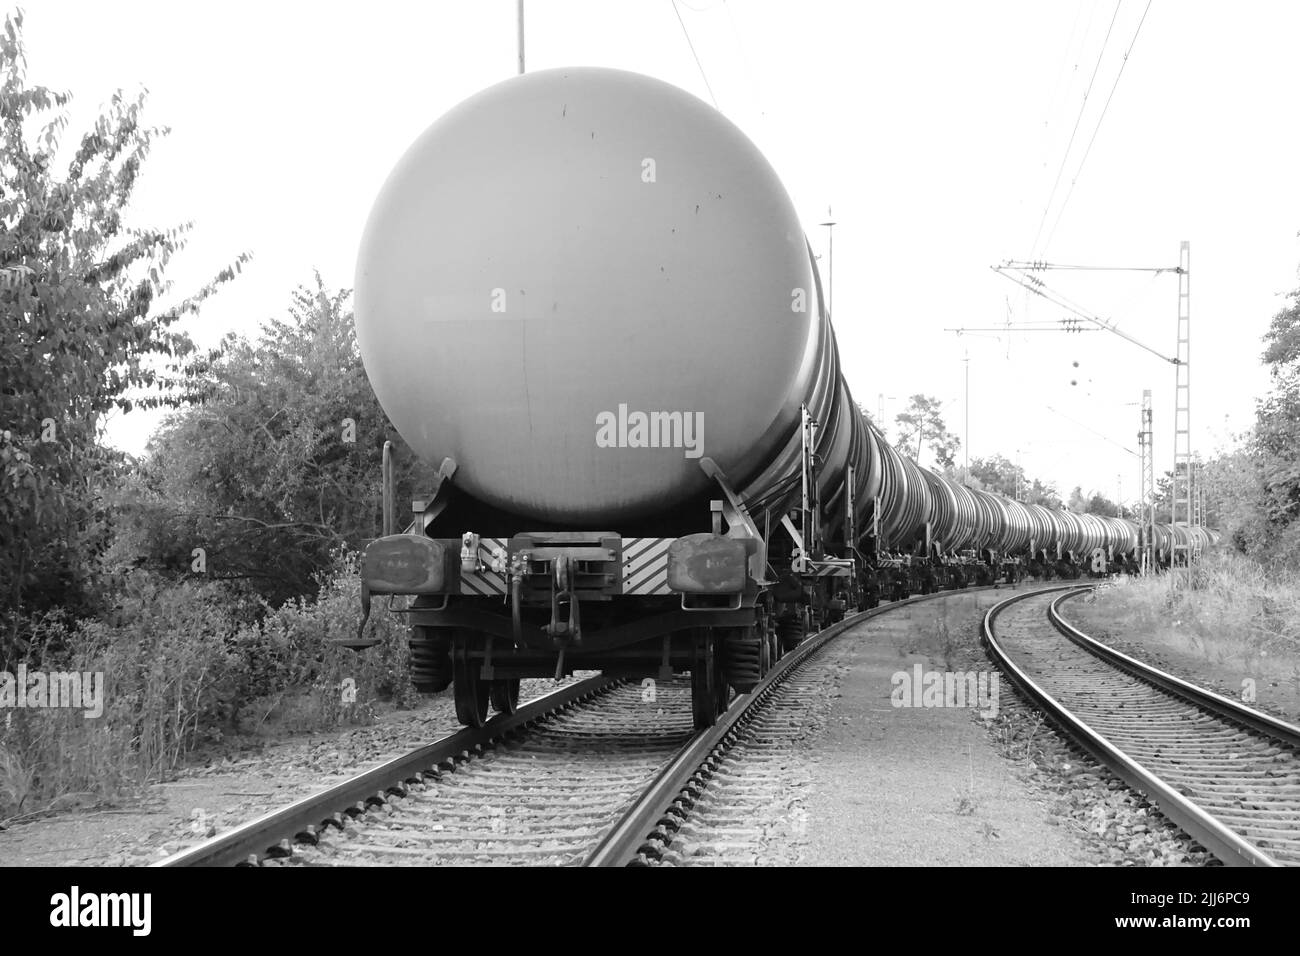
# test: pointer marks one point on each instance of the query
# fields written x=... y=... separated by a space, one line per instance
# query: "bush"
x=1237 y=610
x=291 y=668
x=185 y=664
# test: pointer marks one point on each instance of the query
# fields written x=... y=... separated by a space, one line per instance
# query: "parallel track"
x=1227 y=774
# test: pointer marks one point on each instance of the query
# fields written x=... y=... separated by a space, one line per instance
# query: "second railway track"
x=1226 y=773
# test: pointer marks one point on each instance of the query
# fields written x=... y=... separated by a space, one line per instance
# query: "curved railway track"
x=1227 y=774
x=593 y=773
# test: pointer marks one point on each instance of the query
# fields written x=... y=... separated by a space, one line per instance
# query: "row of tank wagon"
x=931 y=532
x=796 y=511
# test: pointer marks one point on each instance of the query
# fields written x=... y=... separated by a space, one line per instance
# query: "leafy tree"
x=1098 y=504
x=1232 y=493
x=999 y=475
x=279 y=466
x=1077 y=502
x=1164 y=498
x=921 y=423
x=80 y=330
x=1276 y=439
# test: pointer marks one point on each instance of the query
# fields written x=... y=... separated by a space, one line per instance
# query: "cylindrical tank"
x=580 y=281
x=1095 y=533
x=1047 y=529
x=1123 y=534
x=944 y=527
x=968 y=518
x=905 y=500
x=1019 y=528
x=992 y=519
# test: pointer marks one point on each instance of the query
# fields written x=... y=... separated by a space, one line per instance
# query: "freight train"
x=586 y=294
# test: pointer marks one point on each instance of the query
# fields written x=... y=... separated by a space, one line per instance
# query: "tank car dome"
x=561 y=257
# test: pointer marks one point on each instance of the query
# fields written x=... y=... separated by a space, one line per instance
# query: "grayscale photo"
x=650 y=433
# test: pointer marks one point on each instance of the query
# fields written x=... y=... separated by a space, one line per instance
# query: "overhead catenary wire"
x=1094 y=431
x=1097 y=128
x=1042 y=266
x=1065 y=60
x=1074 y=132
x=703 y=75
x=756 y=92
x=1038 y=287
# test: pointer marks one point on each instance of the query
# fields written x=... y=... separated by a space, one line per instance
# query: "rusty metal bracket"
x=427 y=509
x=739 y=522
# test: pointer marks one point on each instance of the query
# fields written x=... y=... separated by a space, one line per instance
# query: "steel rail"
x=687 y=775
x=1223 y=842
x=269 y=834
x=1226 y=707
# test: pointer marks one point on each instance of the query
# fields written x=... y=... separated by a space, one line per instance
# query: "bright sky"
x=934 y=130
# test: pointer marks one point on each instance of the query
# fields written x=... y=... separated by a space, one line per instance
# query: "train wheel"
x=504 y=695
x=471 y=691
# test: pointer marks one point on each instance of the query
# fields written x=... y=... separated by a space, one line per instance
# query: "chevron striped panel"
x=486 y=583
x=645 y=565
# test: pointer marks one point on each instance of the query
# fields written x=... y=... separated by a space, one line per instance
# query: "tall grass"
x=187 y=664
x=1237 y=611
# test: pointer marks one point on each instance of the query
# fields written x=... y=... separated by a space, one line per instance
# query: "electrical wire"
x=1082 y=106
x=1037 y=286
x=1069 y=45
x=1077 y=172
x=754 y=90
x=1094 y=431
x=700 y=65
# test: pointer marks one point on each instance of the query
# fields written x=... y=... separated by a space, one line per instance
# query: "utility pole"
x=1182 y=490
x=1147 y=483
x=1183 y=496
x=967 y=440
x=1198 y=492
x=519 y=9
x=830 y=259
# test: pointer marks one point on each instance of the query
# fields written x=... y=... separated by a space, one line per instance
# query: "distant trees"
x=1006 y=478
x=921 y=424
x=1252 y=492
x=1276 y=439
x=80 y=331
x=280 y=464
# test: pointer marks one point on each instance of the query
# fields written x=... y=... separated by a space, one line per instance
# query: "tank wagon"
x=588 y=296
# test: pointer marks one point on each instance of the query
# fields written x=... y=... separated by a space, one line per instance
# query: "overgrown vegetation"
x=81 y=332
x=184 y=666
x=207 y=583
x=278 y=466
x=1241 y=617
